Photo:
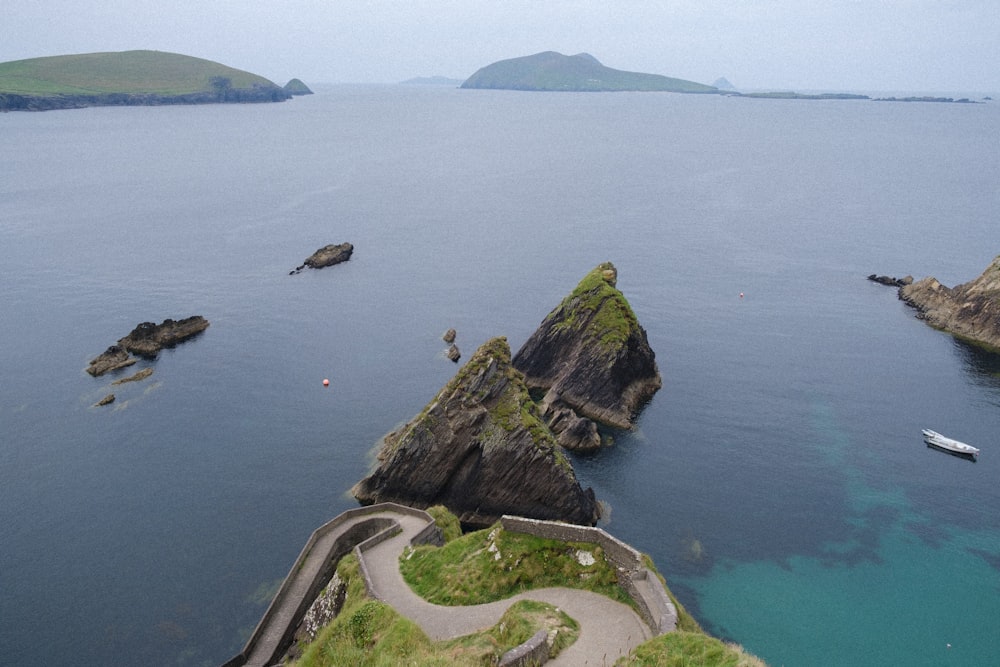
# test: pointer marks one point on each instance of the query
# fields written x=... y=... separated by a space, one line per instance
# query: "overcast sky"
x=854 y=45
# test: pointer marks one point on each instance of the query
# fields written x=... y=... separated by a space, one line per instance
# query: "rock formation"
x=328 y=255
x=481 y=449
x=970 y=310
x=591 y=355
x=146 y=340
x=111 y=359
x=891 y=281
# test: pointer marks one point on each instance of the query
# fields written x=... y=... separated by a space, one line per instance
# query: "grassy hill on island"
x=583 y=72
x=127 y=77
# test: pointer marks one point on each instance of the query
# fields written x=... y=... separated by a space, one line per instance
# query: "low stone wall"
x=533 y=652
x=642 y=585
x=342 y=545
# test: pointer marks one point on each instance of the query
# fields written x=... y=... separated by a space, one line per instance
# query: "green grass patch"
x=493 y=564
x=448 y=523
x=133 y=72
x=689 y=649
x=368 y=633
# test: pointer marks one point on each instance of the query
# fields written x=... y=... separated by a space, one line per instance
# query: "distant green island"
x=551 y=71
x=131 y=78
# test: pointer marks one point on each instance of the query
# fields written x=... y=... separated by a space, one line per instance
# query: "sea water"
x=778 y=478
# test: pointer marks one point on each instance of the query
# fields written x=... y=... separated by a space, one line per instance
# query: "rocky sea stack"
x=590 y=354
x=970 y=310
x=481 y=449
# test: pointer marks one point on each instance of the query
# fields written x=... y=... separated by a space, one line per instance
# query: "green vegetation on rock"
x=612 y=321
x=551 y=71
x=688 y=649
x=494 y=564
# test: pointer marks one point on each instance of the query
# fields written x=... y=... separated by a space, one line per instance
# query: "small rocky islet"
x=146 y=340
x=328 y=255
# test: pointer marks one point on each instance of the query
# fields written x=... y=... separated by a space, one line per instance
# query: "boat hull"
x=941 y=443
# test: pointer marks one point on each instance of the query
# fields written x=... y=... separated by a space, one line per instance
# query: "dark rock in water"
x=111 y=359
x=592 y=353
x=136 y=377
x=147 y=339
x=970 y=310
x=449 y=336
x=328 y=256
x=481 y=449
x=110 y=398
x=453 y=353
x=891 y=282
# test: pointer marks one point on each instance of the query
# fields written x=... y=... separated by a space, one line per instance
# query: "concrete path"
x=608 y=629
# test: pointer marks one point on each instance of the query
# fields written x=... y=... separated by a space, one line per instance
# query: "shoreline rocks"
x=891 y=282
x=970 y=310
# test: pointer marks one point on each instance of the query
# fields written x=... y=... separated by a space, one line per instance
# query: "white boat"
x=938 y=441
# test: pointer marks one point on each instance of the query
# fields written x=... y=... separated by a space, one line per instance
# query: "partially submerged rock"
x=453 y=353
x=147 y=339
x=111 y=359
x=135 y=377
x=891 y=281
x=591 y=354
x=481 y=449
x=970 y=310
x=110 y=398
x=328 y=255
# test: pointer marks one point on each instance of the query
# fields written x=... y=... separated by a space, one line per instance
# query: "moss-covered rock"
x=591 y=353
x=481 y=449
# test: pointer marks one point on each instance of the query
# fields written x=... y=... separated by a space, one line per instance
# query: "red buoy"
x=326 y=383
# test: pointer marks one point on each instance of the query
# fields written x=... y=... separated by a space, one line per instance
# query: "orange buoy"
x=326 y=383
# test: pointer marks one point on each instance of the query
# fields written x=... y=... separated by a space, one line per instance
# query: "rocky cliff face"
x=481 y=449
x=970 y=310
x=590 y=354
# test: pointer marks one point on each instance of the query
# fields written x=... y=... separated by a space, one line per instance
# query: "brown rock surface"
x=970 y=310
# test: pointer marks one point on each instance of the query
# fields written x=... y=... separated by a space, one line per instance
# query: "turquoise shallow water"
x=778 y=479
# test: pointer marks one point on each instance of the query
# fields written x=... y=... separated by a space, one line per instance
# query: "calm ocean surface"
x=778 y=479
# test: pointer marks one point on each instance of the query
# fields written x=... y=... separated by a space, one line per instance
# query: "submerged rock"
x=592 y=354
x=481 y=449
x=110 y=398
x=135 y=377
x=970 y=310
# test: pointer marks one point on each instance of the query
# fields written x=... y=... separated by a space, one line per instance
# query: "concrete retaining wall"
x=642 y=585
x=341 y=546
x=533 y=652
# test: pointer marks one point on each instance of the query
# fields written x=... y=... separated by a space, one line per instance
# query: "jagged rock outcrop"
x=591 y=354
x=891 y=281
x=146 y=340
x=111 y=359
x=970 y=310
x=328 y=255
x=481 y=449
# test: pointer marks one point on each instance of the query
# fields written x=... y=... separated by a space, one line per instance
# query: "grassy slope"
x=466 y=571
x=134 y=72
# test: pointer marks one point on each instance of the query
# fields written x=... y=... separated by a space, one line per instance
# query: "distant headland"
x=131 y=78
x=551 y=71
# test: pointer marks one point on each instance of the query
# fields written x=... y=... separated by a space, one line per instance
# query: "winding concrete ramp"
x=378 y=535
x=608 y=629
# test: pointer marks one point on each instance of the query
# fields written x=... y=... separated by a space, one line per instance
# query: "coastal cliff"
x=592 y=355
x=481 y=449
x=970 y=310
